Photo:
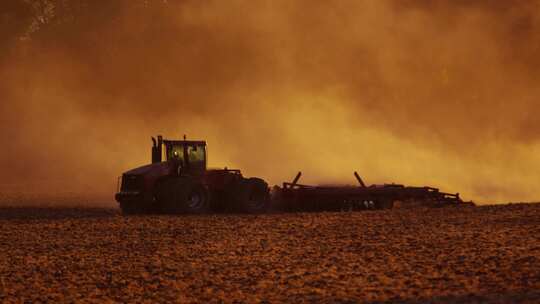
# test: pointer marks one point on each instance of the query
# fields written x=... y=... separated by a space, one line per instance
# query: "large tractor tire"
x=253 y=196
x=183 y=195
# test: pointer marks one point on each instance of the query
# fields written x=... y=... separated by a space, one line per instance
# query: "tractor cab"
x=178 y=181
x=188 y=154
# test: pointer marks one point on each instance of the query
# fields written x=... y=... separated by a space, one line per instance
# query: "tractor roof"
x=185 y=142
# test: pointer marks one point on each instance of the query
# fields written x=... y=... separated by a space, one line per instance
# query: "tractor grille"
x=131 y=183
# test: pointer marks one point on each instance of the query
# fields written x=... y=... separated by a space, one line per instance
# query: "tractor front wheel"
x=198 y=200
x=183 y=195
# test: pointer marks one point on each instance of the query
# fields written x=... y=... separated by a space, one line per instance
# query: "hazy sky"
x=445 y=94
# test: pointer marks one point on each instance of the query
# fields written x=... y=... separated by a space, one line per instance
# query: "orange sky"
x=444 y=94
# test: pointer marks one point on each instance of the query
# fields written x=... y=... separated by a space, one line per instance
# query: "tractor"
x=178 y=181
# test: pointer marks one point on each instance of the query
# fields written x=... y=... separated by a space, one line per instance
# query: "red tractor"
x=177 y=181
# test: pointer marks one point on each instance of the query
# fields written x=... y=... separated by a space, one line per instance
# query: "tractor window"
x=175 y=153
x=197 y=156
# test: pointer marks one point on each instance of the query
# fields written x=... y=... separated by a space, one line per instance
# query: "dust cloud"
x=441 y=94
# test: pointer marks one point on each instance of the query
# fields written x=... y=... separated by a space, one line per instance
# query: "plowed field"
x=449 y=255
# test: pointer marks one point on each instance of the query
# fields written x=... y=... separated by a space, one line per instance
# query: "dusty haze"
x=444 y=94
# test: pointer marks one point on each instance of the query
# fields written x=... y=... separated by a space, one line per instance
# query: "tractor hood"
x=155 y=169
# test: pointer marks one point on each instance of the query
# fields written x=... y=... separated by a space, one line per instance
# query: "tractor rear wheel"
x=253 y=196
x=183 y=195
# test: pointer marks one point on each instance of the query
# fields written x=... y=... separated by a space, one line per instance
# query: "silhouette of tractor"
x=178 y=181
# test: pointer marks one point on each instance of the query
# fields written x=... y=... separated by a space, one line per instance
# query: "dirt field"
x=473 y=255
